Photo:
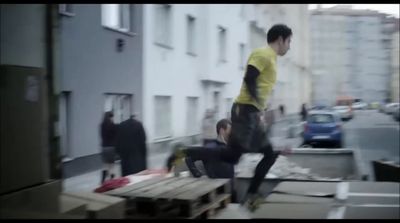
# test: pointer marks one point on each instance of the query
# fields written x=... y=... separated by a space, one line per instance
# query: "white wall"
x=174 y=73
x=348 y=50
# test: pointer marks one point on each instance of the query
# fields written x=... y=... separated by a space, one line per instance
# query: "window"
x=191 y=35
x=216 y=98
x=242 y=11
x=321 y=118
x=163 y=25
x=116 y=16
x=241 y=56
x=191 y=115
x=120 y=105
x=162 y=117
x=221 y=44
x=229 y=102
x=65 y=123
x=66 y=9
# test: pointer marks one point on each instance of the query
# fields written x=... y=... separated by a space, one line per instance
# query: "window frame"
x=242 y=56
x=62 y=9
x=191 y=50
x=191 y=131
x=222 y=44
x=157 y=135
x=167 y=26
x=120 y=19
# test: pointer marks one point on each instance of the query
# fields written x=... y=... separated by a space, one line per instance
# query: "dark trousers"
x=247 y=136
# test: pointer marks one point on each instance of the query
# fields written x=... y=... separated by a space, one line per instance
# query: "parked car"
x=396 y=114
x=359 y=105
x=391 y=107
x=319 y=107
x=382 y=107
x=322 y=127
x=344 y=111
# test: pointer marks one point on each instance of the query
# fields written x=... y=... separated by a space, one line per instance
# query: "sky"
x=392 y=9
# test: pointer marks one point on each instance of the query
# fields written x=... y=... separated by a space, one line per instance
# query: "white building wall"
x=348 y=55
x=172 y=72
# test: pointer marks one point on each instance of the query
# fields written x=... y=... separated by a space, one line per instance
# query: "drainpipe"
x=54 y=139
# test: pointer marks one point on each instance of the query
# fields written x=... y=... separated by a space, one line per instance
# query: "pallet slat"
x=176 y=197
x=165 y=188
x=190 y=195
x=123 y=190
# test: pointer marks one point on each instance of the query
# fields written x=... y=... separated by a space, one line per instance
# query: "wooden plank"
x=145 y=188
x=215 y=204
x=166 y=188
x=213 y=185
x=125 y=189
x=196 y=212
x=187 y=188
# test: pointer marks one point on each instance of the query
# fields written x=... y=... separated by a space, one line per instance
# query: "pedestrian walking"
x=303 y=112
x=108 y=154
x=131 y=146
x=248 y=133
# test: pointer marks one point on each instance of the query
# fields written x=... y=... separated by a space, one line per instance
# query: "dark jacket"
x=218 y=169
x=108 y=132
x=131 y=146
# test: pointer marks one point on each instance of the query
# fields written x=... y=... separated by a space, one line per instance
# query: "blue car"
x=323 y=127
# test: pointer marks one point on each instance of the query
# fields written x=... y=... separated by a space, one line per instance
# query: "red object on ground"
x=112 y=184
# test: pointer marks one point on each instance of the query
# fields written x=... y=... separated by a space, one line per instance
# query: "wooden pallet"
x=175 y=197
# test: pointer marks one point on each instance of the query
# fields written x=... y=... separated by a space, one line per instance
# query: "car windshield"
x=321 y=118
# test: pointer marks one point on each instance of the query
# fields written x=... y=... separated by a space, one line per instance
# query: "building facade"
x=350 y=54
x=164 y=63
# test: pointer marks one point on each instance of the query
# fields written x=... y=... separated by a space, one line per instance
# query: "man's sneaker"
x=176 y=158
x=253 y=202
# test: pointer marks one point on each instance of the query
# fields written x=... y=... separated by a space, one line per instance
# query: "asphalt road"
x=375 y=135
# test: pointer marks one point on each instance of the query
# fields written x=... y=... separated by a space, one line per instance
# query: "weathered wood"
x=186 y=188
x=165 y=188
x=143 y=189
x=213 y=185
x=125 y=189
x=177 y=197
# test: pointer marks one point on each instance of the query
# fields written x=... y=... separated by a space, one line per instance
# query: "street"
x=375 y=135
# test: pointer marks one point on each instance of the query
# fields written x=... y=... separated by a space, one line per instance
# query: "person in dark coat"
x=303 y=112
x=108 y=154
x=213 y=168
x=131 y=146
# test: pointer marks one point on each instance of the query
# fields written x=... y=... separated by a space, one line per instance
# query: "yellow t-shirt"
x=264 y=59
